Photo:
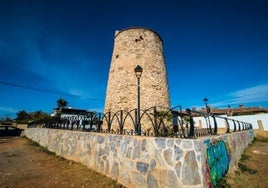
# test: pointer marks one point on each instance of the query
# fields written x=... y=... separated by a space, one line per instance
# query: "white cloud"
x=77 y=93
x=7 y=111
x=254 y=94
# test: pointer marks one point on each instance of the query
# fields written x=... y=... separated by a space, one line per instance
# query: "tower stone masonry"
x=132 y=47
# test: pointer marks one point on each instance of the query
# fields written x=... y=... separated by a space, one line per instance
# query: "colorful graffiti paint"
x=217 y=162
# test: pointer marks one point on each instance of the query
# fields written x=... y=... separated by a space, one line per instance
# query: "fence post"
x=215 y=125
x=175 y=122
x=234 y=126
x=191 y=131
x=181 y=124
x=155 y=122
x=99 y=122
x=239 y=127
x=83 y=122
x=109 y=122
x=136 y=122
x=121 y=122
x=228 y=126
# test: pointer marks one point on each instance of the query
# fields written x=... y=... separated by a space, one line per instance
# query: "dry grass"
x=252 y=169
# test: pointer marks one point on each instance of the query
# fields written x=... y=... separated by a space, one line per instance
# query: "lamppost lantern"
x=208 y=113
x=205 y=101
x=138 y=71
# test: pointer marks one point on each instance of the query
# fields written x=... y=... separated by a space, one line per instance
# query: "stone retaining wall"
x=148 y=161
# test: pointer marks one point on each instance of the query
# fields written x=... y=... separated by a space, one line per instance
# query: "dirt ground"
x=24 y=164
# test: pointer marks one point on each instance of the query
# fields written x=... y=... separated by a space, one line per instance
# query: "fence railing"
x=231 y=125
x=155 y=121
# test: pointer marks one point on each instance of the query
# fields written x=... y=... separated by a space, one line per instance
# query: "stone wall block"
x=178 y=153
x=168 y=156
x=190 y=175
x=144 y=145
x=151 y=181
x=197 y=146
x=102 y=167
x=159 y=158
x=178 y=142
x=138 y=180
x=170 y=143
x=107 y=167
x=161 y=176
x=160 y=142
x=172 y=179
x=101 y=152
x=178 y=169
x=136 y=151
x=100 y=139
x=187 y=144
x=115 y=170
x=142 y=167
x=123 y=147
x=129 y=151
x=125 y=178
x=152 y=164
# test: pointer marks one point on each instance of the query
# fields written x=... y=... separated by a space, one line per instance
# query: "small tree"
x=26 y=117
x=8 y=119
x=22 y=117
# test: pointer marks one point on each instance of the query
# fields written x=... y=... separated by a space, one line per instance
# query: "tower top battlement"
x=117 y=32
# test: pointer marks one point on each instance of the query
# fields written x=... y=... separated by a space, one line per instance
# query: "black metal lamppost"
x=208 y=113
x=138 y=72
x=206 y=103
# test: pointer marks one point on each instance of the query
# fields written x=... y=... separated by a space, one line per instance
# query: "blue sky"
x=62 y=48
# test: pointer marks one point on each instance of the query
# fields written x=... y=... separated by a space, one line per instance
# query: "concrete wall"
x=148 y=161
x=253 y=119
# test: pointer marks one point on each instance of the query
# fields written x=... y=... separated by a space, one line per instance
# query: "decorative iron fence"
x=154 y=121
x=231 y=125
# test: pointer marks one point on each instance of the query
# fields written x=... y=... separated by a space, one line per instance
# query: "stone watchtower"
x=132 y=47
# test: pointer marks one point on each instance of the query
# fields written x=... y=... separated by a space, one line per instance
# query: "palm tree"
x=61 y=103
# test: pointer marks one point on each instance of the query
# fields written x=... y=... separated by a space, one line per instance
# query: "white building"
x=258 y=117
x=77 y=118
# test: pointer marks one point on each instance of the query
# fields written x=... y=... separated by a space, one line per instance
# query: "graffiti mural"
x=217 y=162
